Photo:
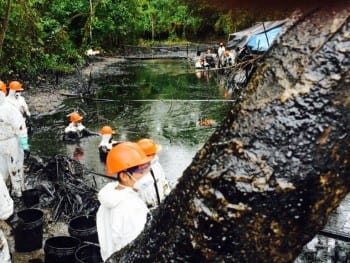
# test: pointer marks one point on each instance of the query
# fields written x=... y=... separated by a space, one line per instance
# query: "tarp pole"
x=267 y=39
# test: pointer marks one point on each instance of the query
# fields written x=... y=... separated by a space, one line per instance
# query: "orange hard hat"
x=149 y=146
x=227 y=53
x=3 y=87
x=107 y=130
x=75 y=117
x=123 y=156
x=15 y=85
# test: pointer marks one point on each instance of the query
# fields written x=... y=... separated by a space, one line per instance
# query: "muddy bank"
x=49 y=95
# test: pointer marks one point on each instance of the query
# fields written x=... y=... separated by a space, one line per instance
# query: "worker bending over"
x=76 y=130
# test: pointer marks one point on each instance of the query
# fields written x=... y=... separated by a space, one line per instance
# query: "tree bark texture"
x=266 y=181
x=4 y=25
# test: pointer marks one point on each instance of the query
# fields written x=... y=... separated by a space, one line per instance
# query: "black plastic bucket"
x=29 y=237
x=84 y=228
x=89 y=253
x=31 y=197
x=61 y=249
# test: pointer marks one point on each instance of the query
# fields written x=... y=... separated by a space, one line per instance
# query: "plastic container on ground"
x=84 y=228
x=89 y=253
x=29 y=236
x=61 y=249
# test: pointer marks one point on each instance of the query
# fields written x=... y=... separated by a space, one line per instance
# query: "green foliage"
x=35 y=43
x=52 y=35
x=224 y=25
x=114 y=23
x=162 y=19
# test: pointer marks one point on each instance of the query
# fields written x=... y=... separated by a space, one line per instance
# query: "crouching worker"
x=106 y=143
x=6 y=214
x=122 y=214
x=76 y=130
x=153 y=194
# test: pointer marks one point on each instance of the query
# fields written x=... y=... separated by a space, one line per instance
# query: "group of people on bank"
x=222 y=58
x=140 y=185
x=13 y=147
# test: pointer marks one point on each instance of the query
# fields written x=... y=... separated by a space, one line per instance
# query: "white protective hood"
x=120 y=218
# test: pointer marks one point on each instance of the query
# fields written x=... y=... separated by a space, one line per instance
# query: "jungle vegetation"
x=43 y=36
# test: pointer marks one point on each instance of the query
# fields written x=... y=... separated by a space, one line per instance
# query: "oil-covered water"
x=159 y=99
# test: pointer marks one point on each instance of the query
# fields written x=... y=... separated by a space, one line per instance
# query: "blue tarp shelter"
x=258 y=37
x=262 y=41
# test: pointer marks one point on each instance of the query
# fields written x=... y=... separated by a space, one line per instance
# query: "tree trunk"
x=4 y=25
x=152 y=26
x=266 y=181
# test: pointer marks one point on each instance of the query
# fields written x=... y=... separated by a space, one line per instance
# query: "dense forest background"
x=38 y=36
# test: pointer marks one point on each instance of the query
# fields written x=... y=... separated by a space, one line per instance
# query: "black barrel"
x=84 y=228
x=89 y=253
x=29 y=237
x=61 y=249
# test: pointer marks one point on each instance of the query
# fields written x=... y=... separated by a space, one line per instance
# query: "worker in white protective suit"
x=7 y=214
x=155 y=193
x=76 y=130
x=13 y=144
x=16 y=99
x=122 y=214
x=221 y=55
x=107 y=142
x=6 y=210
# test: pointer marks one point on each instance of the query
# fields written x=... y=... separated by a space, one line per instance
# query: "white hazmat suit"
x=149 y=194
x=105 y=146
x=6 y=210
x=120 y=218
x=221 y=56
x=13 y=142
x=76 y=131
x=106 y=142
x=74 y=128
x=16 y=99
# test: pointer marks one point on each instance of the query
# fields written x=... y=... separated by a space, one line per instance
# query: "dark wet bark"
x=268 y=178
x=4 y=25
